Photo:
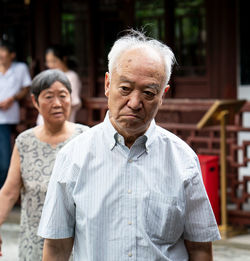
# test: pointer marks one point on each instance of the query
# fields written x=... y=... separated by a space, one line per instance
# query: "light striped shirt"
x=127 y=204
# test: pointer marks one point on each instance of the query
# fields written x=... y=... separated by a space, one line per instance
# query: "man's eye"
x=48 y=97
x=149 y=94
x=124 y=88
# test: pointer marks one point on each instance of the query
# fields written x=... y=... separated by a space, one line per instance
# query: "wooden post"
x=223 y=179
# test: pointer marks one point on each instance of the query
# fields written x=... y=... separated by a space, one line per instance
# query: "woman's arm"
x=10 y=191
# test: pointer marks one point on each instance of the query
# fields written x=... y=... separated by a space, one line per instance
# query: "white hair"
x=135 y=39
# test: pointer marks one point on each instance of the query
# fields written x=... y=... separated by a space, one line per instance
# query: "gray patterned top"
x=37 y=161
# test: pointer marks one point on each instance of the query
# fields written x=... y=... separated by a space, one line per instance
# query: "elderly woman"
x=34 y=155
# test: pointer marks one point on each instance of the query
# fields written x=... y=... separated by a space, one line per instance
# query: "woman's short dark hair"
x=45 y=79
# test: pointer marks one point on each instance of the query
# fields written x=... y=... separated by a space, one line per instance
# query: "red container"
x=210 y=173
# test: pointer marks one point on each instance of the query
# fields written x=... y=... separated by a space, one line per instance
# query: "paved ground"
x=9 y=233
x=233 y=249
x=226 y=253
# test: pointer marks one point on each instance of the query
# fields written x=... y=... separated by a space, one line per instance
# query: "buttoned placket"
x=131 y=204
x=131 y=187
x=132 y=155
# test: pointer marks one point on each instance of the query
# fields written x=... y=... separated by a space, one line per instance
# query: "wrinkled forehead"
x=143 y=55
x=142 y=59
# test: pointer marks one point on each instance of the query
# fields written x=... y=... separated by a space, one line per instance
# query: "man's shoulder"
x=80 y=128
x=168 y=137
x=179 y=151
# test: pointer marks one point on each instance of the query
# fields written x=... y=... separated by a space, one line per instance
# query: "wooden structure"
x=220 y=112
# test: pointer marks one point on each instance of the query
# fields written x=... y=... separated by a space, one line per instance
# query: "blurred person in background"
x=56 y=58
x=14 y=82
x=33 y=158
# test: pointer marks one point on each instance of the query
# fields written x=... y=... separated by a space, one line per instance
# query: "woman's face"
x=54 y=103
x=53 y=62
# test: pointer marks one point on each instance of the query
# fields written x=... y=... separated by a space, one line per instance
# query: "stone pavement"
x=9 y=234
x=225 y=253
x=233 y=249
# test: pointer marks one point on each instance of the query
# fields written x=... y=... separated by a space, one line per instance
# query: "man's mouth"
x=132 y=116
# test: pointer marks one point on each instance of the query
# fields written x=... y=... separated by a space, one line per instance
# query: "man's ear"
x=107 y=84
x=35 y=103
x=167 y=88
x=164 y=92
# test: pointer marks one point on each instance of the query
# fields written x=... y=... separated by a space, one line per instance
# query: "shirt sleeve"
x=58 y=215
x=200 y=223
x=26 y=79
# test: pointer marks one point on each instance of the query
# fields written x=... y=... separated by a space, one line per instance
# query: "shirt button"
x=129 y=191
x=130 y=161
x=130 y=223
x=129 y=254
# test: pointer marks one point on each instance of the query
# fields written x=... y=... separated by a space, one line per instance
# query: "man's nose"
x=135 y=101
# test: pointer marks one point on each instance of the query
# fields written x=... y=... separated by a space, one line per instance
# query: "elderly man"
x=128 y=189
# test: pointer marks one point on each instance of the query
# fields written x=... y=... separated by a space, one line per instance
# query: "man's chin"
x=131 y=119
x=133 y=127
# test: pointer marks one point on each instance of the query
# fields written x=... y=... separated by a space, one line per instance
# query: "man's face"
x=135 y=90
x=6 y=57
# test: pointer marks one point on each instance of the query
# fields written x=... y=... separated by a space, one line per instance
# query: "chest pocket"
x=164 y=218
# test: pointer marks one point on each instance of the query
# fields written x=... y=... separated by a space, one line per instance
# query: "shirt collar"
x=109 y=131
x=112 y=135
x=150 y=134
